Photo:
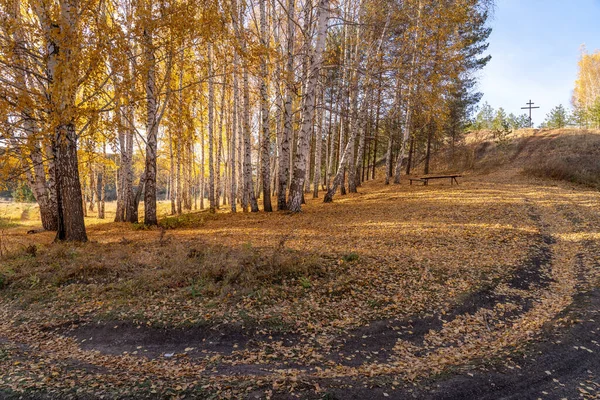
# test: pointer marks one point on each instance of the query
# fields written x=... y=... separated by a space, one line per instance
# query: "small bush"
x=350 y=257
x=305 y=282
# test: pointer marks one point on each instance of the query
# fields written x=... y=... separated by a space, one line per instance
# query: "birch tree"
x=308 y=109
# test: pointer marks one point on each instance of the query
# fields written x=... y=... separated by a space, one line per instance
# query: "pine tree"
x=557 y=118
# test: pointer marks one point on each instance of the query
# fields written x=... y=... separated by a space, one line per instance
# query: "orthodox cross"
x=529 y=107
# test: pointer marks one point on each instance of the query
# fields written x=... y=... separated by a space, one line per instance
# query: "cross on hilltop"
x=529 y=107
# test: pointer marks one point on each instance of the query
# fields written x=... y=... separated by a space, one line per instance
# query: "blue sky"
x=535 y=46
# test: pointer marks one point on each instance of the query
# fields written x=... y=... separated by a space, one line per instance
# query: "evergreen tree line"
x=497 y=120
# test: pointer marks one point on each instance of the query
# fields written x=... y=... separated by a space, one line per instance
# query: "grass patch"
x=350 y=257
x=6 y=223
x=582 y=169
x=188 y=220
x=135 y=271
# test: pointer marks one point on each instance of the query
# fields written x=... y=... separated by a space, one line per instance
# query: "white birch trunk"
x=211 y=101
x=407 y=117
x=308 y=109
x=264 y=105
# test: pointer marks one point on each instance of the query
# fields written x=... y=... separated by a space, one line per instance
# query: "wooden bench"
x=426 y=179
x=416 y=179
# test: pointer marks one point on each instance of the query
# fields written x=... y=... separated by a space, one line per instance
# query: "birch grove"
x=228 y=103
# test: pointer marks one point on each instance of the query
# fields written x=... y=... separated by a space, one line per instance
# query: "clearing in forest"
x=398 y=291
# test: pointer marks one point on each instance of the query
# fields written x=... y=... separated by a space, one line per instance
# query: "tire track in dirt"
x=561 y=363
x=372 y=343
x=375 y=342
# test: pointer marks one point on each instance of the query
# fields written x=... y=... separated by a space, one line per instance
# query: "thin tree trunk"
x=346 y=155
x=388 y=157
x=93 y=185
x=318 y=150
x=234 y=139
x=211 y=101
x=377 y=114
x=248 y=182
x=308 y=109
x=410 y=155
x=37 y=179
x=264 y=105
x=284 y=148
x=172 y=178
x=407 y=119
x=101 y=191
x=131 y=206
x=47 y=207
x=219 y=180
x=150 y=217
x=203 y=166
x=248 y=197
x=187 y=173
x=428 y=151
x=178 y=180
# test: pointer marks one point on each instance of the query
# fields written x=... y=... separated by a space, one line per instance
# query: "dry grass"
x=212 y=270
x=568 y=157
x=360 y=256
x=565 y=154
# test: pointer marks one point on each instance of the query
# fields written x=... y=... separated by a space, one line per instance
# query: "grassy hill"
x=571 y=155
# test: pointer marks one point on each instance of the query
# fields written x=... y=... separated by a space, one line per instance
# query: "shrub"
x=350 y=257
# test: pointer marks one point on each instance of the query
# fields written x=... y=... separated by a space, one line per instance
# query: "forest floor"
x=485 y=290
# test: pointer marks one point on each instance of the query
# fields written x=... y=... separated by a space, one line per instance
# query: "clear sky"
x=535 y=46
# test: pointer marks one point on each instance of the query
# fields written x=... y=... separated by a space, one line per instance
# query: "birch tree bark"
x=264 y=105
x=171 y=174
x=150 y=217
x=248 y=182
x=318 y=150
x=407 y=117
x=36 y=174
x=102 y=185
x=219 y=181
x=248 y=197
x=234 y=140
x=211 y=104
x=286 y=137
x=308 y=110
x=131 y=205
x=61 y=38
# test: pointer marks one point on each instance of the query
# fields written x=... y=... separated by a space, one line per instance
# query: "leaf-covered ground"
x=483 y=290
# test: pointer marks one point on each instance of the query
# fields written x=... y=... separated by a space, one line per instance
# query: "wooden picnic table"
x=427 y=178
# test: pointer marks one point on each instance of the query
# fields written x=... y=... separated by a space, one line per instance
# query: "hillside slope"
x=565 y=154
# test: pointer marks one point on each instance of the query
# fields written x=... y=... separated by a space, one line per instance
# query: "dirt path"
x=527 y=330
